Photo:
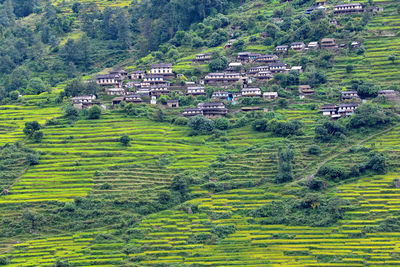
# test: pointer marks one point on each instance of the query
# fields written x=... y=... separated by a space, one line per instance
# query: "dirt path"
x=346 y=149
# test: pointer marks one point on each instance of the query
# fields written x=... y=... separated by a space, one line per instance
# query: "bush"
x=311 y=210
x=94 y=113
x=221 y=123
x=316 y=184
x=31 y=127
x=181 y=121
x=38 y=136
x=105 y=186
x=314 y=150
x=285 y=128
x=71 y=112
x=260 y=125
x=124 y=140
x=32 y=159
x=368 y=115
x=286 y=156
x=201 y=124
x=333 y=173
x=329 y=131
x=223 y=231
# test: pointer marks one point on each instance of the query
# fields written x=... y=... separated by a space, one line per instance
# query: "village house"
x=347 y=95
x=213 y=109
x=267 y=58
x=109 y=80
x=152 y=79
x=389 y=94
x=247 y=56
x=173 y=103
x=133 y=99
x=122 y=73
x=270 y=95
x=203 y=57
x=321 y=2
x=115 y=91
x=282 y=48
x=355 y=45
x=230 y=43
x=137 y=75
x=162 y=68
x=334 y=21
x=220 y=95
x=376 y=9
x=298 y=46
x=143 y=91
x=313 y=46
x=347 y=109
x=196 y=90
x=255 y=70
x=305 y=90
x=158 y=90
x=235 y=66
x=83 y=102
x=348 y=8
x=117 y=100
x=329 y=110
x=251 y=92
x=223 y=78
x=264 y=35
x=277 y=67
x=264 y=75
x=297 y=68
x=328 y=43
x=190 y=112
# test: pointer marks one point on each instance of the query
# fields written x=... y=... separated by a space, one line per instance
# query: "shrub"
x=71 y=112
x=105 y=186
x=311 y=210
x=124 y=140
x=286 y=156
x=181 y=121
x=285 y=128
x=314 y=150
x=38 y=136
x=329 y=131
x=316 y=184
x=32 y=159
x=201 y=124
x=368 y=115
x=260 y=125
x=94 y=113
x=333 y=173
x=31 y=127
x=221 y=123
x=223 y=231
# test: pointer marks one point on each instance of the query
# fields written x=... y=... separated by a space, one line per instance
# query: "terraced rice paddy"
x=256 y=244
x=13 y=119
x=382 y=41
x=75 y=158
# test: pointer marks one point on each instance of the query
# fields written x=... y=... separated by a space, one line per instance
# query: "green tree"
x=221 y=123
x=201 y=124
x=94 y=113
x=285 y=159
x=37 y=136
x=31 y=127
x=124 y=140
x=392 y=58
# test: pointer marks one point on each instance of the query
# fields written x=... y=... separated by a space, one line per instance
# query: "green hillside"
x=271 y=183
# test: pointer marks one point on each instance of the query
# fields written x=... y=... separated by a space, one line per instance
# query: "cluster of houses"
x=347 y=109
x=325 y=43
